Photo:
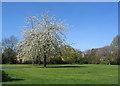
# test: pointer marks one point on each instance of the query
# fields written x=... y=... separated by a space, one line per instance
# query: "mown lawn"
x=63 y=74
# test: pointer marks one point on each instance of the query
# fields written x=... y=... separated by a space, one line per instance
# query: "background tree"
x=105 y=55
x=115 y=45
x=70 y=55
x=116 y=42
x=42 y=38
x=9 y=43
x=9 y=56
x=9 y=50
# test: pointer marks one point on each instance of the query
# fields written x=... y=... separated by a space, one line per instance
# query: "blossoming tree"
x=42 y=38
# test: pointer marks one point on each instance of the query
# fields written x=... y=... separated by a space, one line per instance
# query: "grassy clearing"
x=63 y=74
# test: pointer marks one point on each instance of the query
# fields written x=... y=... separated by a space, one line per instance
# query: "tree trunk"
x=38 y=61
x=32 y=62
x=44 y=62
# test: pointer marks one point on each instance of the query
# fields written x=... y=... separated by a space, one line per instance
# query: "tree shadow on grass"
x=7 y=78
x=65 y=66
x=12 y=79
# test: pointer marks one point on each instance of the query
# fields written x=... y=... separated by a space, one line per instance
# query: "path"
x=14 y=67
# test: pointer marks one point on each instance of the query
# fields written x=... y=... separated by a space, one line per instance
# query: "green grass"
x=85 y=74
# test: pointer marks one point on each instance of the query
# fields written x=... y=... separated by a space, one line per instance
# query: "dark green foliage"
x=56 y=60
x=9 y=56
x=70 y=55
x=27 y=62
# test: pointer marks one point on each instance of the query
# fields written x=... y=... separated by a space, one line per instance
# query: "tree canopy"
x=42 y=38
x=9 y=43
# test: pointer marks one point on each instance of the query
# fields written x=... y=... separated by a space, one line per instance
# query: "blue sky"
x=92 y=24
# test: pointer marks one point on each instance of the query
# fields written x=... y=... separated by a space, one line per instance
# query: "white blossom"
x=41 y=36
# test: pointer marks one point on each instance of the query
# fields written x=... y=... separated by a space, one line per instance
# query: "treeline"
x=68 y=55
x=105 y=55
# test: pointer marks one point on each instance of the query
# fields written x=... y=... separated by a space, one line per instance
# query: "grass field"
x=63 y=74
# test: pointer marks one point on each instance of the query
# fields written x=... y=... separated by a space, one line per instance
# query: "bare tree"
x=9 y=43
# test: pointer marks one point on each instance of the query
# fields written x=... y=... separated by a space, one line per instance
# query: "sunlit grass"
x=63 y=74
